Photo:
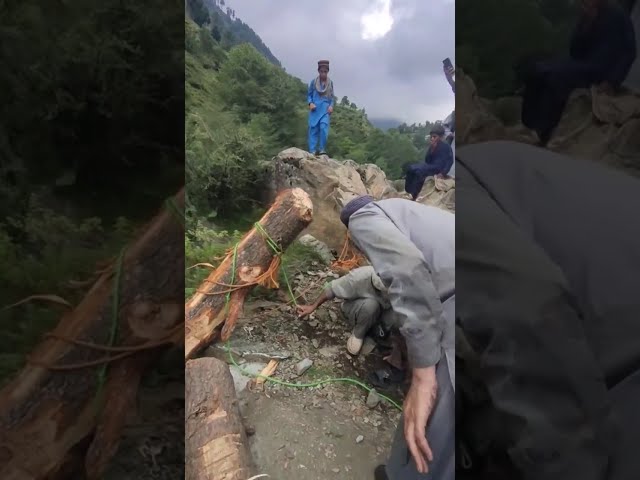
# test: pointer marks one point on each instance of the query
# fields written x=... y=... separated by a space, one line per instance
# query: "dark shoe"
x=322 y=152
x=386 y=378
x=380 y=473
x=316 y=153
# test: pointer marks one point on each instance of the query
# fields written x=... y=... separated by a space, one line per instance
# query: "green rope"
x=115 y=300
x=310 y=385
x=115 y=306
x=278 y=251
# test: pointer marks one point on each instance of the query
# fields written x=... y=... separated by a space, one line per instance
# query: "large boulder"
x=594 y=125
x=332 y=183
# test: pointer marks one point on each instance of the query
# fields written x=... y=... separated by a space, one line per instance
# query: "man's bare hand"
x=418 y=406
x=304 y=310
x=330 y=110
x=312 y=106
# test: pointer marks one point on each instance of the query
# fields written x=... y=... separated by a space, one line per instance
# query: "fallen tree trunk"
x=215 y=439
x=220 y=298
x=50 y=410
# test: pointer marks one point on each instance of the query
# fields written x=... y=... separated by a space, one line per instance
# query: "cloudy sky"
x=386 y=55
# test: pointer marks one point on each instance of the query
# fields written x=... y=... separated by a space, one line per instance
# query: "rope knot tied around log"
x=255 y=260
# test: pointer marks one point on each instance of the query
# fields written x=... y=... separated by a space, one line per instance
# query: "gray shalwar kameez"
x=366 y=302
x=412 y=249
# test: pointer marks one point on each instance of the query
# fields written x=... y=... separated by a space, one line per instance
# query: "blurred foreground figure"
x=412 y=249
x=602 y=51
x=547 y=318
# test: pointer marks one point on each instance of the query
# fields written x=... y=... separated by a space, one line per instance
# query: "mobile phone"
x=447 y=63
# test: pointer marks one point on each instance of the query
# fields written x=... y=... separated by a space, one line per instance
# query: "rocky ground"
x=152 y=446
x=336 y=430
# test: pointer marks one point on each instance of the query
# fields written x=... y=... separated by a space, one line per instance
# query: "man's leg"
x=324 y=135
x=440 y=433
x=363 y=314
x=414 y=180
x=313 y=137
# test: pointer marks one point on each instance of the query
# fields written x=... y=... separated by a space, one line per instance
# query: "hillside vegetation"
x=511 y=31
x=242 y=108
x=90 y=131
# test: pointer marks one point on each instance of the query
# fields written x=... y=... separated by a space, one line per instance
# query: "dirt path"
x=315 y=433
x=308 y=433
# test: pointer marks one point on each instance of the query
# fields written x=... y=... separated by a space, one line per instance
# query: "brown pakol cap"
x=323 y=63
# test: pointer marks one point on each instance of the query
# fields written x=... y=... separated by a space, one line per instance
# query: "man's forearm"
x=325 y=296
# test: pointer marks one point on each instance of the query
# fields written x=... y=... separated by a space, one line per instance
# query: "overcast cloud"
x=386 y=55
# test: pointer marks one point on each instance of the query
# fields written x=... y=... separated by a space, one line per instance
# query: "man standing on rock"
x=412 y=249
x=366 y=304
x=438 y=161
x=320 y=100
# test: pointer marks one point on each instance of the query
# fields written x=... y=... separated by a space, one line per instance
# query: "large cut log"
x=215 y=439
x=57 y=406
x=218 y=301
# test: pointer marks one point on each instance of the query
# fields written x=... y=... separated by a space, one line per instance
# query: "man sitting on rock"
x=412 y=249
x=602 y=51
x=438 y=161
x=320 y=100
x=366 y=304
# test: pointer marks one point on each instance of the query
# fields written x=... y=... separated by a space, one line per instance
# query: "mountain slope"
x=231 y=31
x=242 y=109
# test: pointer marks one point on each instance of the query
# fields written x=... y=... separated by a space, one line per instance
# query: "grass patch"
x=53 y=250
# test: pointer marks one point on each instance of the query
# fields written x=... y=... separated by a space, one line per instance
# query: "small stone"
x=335 y=470
x=328 y=352
x=250 y=430
x=359 y=439
x=373 y=399
x=303 y=366
x=315 y=342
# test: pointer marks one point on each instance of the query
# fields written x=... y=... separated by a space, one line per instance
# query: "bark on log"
x=205 y=311
x=47 y=415
x=215 y=440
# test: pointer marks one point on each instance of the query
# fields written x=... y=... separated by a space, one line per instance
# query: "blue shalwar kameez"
x=319 y=118
x=438 y=160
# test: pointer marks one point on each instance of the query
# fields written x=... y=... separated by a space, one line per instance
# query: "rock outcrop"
x=594 y=126
x=332 y=183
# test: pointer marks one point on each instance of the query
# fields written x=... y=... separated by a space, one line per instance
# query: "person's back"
x=361 y=282
x=431 y=229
